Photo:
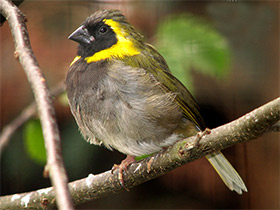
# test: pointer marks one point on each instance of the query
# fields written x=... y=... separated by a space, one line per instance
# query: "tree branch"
x=244 y=129
x=30 y=65
x=9 y=129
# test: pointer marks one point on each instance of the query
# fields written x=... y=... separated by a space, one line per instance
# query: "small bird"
x=123 y=95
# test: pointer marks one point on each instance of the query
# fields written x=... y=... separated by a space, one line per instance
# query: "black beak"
x=82 y=36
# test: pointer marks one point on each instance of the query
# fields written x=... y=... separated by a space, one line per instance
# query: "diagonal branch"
x=9 y=129
x=244 y=129
x=30 y=65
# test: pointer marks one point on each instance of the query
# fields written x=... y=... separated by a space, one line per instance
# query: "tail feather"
x=227 y=173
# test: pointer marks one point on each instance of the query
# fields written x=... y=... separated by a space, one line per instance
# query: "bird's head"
x=106 y=34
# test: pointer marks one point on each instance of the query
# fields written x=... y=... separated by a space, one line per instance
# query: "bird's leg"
x=123 y=166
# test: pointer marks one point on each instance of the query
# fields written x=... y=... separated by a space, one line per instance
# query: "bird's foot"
x=199 y=136
x=123 y=167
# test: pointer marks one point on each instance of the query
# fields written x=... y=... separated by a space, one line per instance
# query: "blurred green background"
x=226 y=53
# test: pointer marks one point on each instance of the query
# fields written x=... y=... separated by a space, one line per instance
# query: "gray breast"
x=124 y=108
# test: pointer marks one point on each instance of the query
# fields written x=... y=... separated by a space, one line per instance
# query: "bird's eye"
x=103 y=30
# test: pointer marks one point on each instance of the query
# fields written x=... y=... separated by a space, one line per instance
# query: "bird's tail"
x=228 y=174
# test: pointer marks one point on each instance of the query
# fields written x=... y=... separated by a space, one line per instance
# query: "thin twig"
x=244 y=129
x=28 y=112
x=43 y=100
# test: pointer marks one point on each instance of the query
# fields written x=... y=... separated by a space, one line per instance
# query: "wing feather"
x=155 y=64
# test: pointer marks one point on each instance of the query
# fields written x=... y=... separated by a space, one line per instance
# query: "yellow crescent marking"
x=123 y=47
x=75 y=59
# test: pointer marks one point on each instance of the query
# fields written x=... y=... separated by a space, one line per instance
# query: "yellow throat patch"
x=123 y=47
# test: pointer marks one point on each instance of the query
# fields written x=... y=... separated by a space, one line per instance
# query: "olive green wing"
x=154 y=63
x=184 y=99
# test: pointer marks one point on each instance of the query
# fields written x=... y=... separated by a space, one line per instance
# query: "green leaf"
x=34 y=141
x=187 y=43
x=63 y=99
x=138 y=158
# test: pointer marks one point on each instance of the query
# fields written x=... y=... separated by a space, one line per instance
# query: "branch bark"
x=244 y=129
x=30 y=65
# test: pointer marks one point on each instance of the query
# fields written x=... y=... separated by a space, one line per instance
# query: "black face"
x=93 y=38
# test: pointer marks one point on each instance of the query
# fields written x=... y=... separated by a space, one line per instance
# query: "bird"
x=123 y=95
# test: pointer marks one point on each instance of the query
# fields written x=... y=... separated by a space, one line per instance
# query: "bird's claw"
x=123 y=167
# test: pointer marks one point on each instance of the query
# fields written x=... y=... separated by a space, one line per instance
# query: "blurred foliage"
x=188 y=42
x=63 y=100
x=34 y=141
x=138 y=158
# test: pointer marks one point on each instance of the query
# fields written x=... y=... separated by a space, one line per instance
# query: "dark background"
x=252 y=32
